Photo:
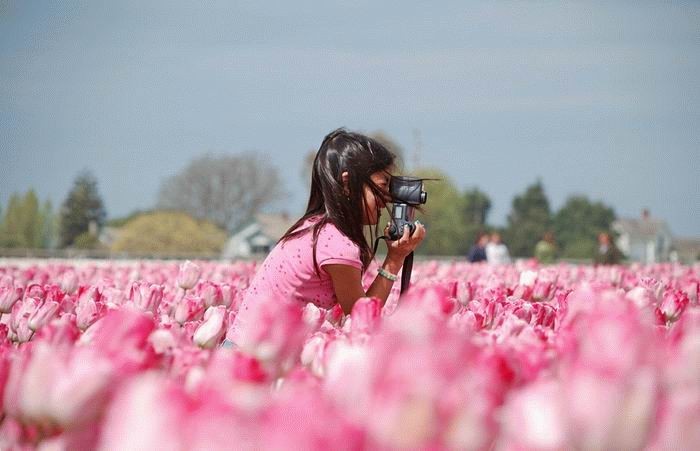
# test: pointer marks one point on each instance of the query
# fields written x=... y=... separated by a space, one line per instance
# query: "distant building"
x=108 y=235
x=644 y=239
x=686 y=250
x=258 y=237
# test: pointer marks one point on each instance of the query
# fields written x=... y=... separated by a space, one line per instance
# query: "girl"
x=322 y=257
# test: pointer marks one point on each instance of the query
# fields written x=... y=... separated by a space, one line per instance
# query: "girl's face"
x=373 y=205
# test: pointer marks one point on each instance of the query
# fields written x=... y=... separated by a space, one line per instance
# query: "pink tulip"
x=43 y=315
x=273 y=332
x=211 y=294
x=80 y=388
x=8 y=297
x=188 y=309
x=212 y=329
x=143 y=416
x=35 y=291
x=335 y=315
x=148 y=298
x=541 y=290
x=69 y=282
x=673 y=304
x=534 y=418
x=528 y=278
x=641 y=297
x=88 y=311
x=121 y=336
x=366 y=315
x=189 y=275
x=227 y=295
x=22 y=311
x=34 y=388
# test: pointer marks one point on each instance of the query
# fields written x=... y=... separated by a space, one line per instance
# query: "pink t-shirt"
x=288 y=273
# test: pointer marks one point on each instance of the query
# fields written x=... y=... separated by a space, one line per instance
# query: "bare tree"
x=227 y=190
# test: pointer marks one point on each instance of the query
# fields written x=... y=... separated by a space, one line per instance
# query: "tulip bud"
x=211 y=294
x=673 y=304
x=188 y=309
x=366 y=315
x=43 y=315
x=8 y=297
x=227 y=293
x=528 y=278
x=188 y=276
x=69 y=282
x=212 y=328
x=541 y=290
x=147 y=299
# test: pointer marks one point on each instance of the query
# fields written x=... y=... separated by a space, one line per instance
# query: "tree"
x=12 y=224
x=226 y=190
x=168 y=232
x=31 y=220
x=578 y=223
x=22 y=223
x=48 y=226
x=529 y=218
x=82 y=207
x=476 y=209
x=443 y=215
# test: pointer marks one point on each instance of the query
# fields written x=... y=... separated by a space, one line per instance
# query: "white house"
x=644 y=239
x=258 y=237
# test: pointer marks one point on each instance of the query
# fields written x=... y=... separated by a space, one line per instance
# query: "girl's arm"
x=347 y=280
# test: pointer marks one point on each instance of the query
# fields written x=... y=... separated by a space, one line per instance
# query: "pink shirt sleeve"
x=335 y=248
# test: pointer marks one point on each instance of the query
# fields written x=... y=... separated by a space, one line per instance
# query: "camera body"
x=406 y=193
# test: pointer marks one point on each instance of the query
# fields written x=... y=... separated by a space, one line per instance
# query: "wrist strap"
x=387 y=275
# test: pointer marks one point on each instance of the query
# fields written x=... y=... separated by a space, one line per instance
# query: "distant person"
x=496 y=251
x=546 y=249
x=477 y=253
x=608 y=253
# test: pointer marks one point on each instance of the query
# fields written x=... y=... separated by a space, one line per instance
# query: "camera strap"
x=406 y=272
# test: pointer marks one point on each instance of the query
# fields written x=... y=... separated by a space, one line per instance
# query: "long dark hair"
x=361 y=156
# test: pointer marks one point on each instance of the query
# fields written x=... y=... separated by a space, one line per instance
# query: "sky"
x=593 y=98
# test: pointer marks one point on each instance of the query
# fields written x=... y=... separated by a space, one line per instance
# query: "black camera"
x=406 y=193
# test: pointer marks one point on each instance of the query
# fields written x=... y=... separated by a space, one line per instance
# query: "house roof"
x=687 y=244
x=643 y=227
x=274 y=225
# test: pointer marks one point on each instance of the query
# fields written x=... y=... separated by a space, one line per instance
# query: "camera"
x=406 y=193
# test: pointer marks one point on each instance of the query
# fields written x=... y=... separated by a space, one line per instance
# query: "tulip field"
x=128 y=356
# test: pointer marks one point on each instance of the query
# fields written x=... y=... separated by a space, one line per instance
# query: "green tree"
x=31 y=220
x=443 y=215
x=476 y=206
x=82 y=207
x=21 y=224
x=529 y=218
x=12 y=223
x=577 y=224
x=168 y=231
x=48 y=226
x=476 y=209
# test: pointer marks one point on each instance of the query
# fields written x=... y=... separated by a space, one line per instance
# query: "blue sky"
x=601 y=99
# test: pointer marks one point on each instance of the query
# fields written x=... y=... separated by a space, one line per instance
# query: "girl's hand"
x=408 y=242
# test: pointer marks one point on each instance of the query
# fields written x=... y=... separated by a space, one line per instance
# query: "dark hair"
x=361 y=156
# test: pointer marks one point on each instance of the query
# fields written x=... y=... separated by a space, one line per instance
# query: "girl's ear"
x=345 y=178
